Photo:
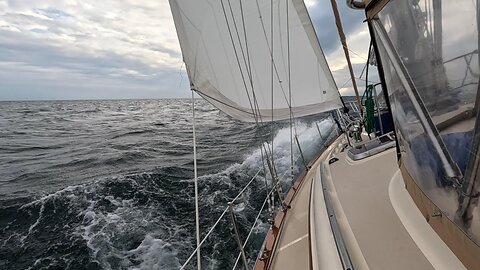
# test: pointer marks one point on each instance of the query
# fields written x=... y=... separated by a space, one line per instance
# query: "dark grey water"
x=108 y=184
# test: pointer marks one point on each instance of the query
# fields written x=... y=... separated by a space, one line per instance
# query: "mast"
x=343 y=40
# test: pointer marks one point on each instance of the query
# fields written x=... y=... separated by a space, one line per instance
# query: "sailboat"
x=402 y=197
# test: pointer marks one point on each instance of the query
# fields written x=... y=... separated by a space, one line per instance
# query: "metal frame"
x=449 y=165
x=337 y=234
x=471 y=185
x=469 y=189
x=383 y=83
x=375 y=6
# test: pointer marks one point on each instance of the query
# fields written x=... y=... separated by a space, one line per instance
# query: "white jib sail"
x=227 y=48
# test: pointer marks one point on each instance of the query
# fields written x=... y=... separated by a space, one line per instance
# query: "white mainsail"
x=227 y=48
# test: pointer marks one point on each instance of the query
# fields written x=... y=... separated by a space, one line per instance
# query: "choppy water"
x=108 y=184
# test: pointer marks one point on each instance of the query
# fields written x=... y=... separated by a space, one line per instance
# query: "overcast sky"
x=109 y=49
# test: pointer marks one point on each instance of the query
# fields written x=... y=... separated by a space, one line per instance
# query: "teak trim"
x=467 y=251
x=265 y=258
x=375 y=6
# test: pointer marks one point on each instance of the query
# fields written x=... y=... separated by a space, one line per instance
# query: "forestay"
x=227 y=49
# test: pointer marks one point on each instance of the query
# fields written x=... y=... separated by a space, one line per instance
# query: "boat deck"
x=294 y=240
x=362 y=189
x=381 y=227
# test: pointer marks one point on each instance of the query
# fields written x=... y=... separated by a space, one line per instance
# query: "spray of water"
x=146 y=221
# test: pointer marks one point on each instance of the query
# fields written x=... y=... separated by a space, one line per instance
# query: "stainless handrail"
x=337 y=235
x=356 y=4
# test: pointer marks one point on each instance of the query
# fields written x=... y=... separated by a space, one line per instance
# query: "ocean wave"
x=146 y=220
x=134 y=133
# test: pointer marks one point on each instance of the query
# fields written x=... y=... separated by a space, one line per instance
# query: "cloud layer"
x=122 y=49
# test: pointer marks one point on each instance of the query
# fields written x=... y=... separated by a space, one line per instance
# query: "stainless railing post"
x=301 y=153
x=237 y=236
x=340 y=116
x=319 y=132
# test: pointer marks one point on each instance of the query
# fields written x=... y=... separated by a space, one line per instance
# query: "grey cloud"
x=38 y=54
x=31 y=84
x=78 y=76
x=52 y=13
x=324 y=22
x=36 y=64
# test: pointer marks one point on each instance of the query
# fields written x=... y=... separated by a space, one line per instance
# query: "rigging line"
x=217 y=222
x=299 y=147
x=270 y=50
x=363 y=69
x=237 y=236
x=272 y=123
x=271 y=67
x=343 y=40
x=280 y=36
x=205 y=238
x=246 y=42
x=196 y=48
x=237 y=34
x=238 y=60
x=240 y=43
x=255 y=101
x=357 y=54
x=274 y=175
x=263 y=148
x=270 y=162
x=181 y=75
x=251 y=80
x=246 y=186
x=271 y=168
x=197 y=220
x=460 y=56
x=257 y=218
x=301 y=153
x=222 y=102
x=264 y=155
x=361 y=79
x=247 y=65
x=345 y=83
x=358 y=78
x=270 y=201
x=366 y=72
x=289 y=88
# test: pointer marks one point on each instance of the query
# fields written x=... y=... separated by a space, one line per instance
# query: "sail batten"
x=226 y=47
